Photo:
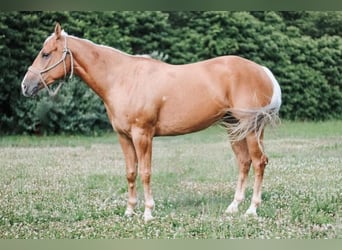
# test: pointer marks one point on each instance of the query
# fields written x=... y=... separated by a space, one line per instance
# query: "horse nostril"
x=24 y=89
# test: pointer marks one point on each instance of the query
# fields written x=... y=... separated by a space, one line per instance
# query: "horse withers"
x=145 y=98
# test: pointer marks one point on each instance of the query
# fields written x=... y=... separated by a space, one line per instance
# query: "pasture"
x=75 y=187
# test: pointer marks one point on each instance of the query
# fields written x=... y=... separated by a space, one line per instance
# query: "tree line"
x=303 y=50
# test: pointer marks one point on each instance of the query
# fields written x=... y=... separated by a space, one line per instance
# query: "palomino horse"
x=146 y=98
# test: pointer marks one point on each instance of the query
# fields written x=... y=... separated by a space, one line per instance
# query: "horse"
x=145 y=98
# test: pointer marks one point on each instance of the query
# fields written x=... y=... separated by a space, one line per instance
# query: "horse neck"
x=96 y=65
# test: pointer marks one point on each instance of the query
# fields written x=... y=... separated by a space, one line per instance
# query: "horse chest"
x=125 y=119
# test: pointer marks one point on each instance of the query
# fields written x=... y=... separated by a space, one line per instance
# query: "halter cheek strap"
x=66 y=51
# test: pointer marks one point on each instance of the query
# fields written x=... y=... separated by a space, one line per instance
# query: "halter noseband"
x=66 y=51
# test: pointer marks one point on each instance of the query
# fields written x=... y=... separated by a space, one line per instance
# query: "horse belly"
x=186 y=116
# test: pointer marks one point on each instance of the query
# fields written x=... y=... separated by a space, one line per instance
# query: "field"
x=75 y=187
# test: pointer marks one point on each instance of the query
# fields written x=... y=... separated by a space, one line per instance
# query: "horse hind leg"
x=259 y=162
x=240 y=149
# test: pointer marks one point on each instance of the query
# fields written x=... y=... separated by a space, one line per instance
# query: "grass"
x=75 y=187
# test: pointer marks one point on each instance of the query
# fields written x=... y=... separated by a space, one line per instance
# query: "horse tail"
x=241 y=122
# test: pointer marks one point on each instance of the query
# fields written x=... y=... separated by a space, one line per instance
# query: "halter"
x=66 y=51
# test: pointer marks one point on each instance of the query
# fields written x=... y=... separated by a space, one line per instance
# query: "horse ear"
x=58 y=30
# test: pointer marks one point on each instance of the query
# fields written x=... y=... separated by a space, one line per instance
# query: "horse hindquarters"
x=246 y=130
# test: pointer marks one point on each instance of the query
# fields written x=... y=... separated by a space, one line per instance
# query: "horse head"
x=51 y=64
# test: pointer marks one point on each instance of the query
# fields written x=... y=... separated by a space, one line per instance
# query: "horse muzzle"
x=30 y=85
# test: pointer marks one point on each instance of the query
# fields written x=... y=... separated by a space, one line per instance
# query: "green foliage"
x=303 y=49
x=65 y=113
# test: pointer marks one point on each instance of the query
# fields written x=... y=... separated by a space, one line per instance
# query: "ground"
x=75 y=187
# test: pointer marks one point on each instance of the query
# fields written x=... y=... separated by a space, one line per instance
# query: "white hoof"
x=251 y=212
x=232 y=209
x=148 y=217
x=129 y=212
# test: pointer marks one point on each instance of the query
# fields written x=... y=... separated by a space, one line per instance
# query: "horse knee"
x=145 y=176
x=131 y=176
x=245 y=162
x=259 y=164
x=263 y=161
x=244 y=165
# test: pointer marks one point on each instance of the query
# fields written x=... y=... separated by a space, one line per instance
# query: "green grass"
x=75 y=187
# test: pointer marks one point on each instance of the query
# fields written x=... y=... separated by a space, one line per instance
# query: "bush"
x=66 y=114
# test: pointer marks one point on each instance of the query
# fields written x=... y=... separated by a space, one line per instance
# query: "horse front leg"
x=131 y=172
x=142 y=139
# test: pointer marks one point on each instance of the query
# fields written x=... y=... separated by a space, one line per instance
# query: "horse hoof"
x=232 y=209
x=129 y=212
x=251 y=213
x=148 y=218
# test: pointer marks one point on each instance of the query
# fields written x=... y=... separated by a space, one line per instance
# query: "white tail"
x=254 y=120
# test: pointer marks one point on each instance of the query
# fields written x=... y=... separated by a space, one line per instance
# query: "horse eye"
x=45 y=55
